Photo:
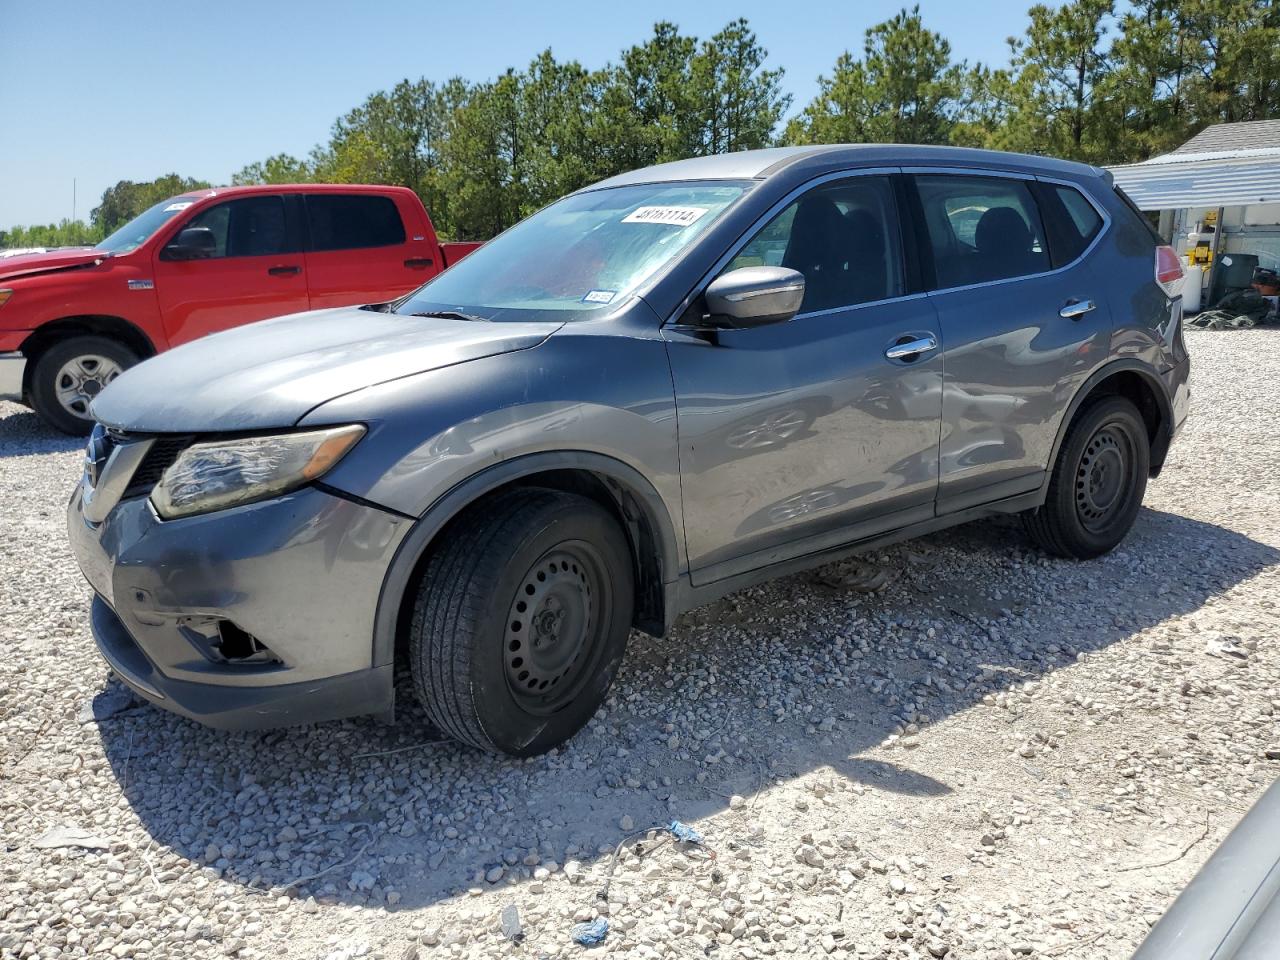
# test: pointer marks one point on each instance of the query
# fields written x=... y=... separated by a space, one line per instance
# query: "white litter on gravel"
x=989 y=753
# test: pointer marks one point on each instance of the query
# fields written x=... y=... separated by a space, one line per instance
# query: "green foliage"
x=484 y=155
x=1106 y=81
x=127 y=199
x=67 y=233
x=281 y=168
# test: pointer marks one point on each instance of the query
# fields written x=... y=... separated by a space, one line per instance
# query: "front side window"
x=841 y=236
x=350 y=222
x=249 y=227
x=580 y=255
x=981 y=229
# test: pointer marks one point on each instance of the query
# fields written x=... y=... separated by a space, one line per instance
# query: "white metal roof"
x=1225 y=165
x=1200 y=183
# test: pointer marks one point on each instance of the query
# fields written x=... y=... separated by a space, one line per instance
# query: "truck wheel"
x=521 y=621
x=70 y=374
x=1097 y=484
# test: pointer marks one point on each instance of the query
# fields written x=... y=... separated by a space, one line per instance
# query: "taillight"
x=1168 y=270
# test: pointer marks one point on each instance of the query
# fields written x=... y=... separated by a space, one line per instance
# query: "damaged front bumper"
x=252 y=617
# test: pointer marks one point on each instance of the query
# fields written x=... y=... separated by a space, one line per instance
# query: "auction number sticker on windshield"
x=181 y=205
x=599 y=296
x=675 y=216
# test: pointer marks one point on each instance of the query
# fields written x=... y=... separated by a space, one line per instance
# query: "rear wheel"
x=1097 y=484
x=521 y=621
x=70 y=374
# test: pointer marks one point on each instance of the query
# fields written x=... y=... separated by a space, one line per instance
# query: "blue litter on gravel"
x=592 y=933
x=684 y=832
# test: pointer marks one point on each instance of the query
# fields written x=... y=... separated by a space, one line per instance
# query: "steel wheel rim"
x=81 y=379
x=1103 y=476
x=554 y=628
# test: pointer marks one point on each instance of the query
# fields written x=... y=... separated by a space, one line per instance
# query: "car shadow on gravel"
x=23 y=434
x=800 y=676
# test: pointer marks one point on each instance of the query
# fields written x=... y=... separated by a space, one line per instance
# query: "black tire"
x=531 y=573
x=47 y=378
x=1097 y=484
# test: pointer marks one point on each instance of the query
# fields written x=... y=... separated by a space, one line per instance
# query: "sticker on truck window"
x=674 y=216
x=181 y=205
x=599 y=296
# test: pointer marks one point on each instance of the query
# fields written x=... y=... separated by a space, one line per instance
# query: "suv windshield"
x=579 y=255
x=139 y=230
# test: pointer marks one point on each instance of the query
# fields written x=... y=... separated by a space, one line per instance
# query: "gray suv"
x=664 y=387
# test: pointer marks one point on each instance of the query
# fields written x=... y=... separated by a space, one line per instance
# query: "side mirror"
x=193 y=243
x=755 y=296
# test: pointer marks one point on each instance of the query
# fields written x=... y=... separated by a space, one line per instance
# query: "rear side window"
x=981 y=229
x=841 y=236
x=1081 y=224
x=348 y=222
x=250 y=227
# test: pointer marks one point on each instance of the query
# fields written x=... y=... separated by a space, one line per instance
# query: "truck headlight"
x=227 y=473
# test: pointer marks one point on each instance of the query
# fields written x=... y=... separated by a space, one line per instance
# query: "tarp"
x=1168 y=185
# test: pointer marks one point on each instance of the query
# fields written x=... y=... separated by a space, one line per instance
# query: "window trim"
x=1007 y=175
x=749 y=234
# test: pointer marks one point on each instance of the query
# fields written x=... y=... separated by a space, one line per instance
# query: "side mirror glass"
x=755 y=296
x=193 y=243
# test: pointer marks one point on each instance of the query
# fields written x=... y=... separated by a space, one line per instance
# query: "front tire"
x=521 y=621
x=1097 y=484
x=68 y=376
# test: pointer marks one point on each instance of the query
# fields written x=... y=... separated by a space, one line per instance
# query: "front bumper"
x=12 y=368
x=301 y=573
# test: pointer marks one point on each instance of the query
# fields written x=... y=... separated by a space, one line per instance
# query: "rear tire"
x=68 y=375
x=521 y=621
x=1097 y=484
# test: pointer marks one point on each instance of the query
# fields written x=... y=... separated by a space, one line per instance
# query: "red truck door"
x=241 y=261
x=364 y=249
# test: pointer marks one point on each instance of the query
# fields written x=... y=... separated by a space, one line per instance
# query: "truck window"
x=249 y=227
x=351 y=221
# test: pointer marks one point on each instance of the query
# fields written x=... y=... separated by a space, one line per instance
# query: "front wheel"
x=1097 y=484
x=521 y=620
x=68 y=376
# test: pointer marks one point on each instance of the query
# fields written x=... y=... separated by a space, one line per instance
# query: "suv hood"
x=29 y=264
x=270 y=374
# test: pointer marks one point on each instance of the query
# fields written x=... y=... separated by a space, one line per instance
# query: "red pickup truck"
x=73 y=320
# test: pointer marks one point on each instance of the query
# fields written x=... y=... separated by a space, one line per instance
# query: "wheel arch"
x=97 y=325
x=1137 y=382
x=620 y=488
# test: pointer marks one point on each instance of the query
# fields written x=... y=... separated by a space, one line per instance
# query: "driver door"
x=804 y=435
x=251 y=270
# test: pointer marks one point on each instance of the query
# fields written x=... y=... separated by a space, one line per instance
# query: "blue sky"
x=102 y=92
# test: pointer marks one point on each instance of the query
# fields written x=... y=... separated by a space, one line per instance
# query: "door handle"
x=1076 y=309
x=284 y=271
x=419 y=262
x=909 y=348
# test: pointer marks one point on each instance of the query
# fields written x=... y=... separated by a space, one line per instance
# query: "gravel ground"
x=997 y=754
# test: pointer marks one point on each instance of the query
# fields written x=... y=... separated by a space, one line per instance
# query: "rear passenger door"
x=1022 y=319
x=359 y=250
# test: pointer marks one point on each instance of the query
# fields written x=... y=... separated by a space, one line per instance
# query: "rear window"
x=351 y=221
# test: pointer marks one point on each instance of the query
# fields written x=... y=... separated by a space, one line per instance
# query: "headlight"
x=227 y=473
x=4 y=296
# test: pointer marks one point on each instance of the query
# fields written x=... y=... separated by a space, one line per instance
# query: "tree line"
x=1103 y=81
